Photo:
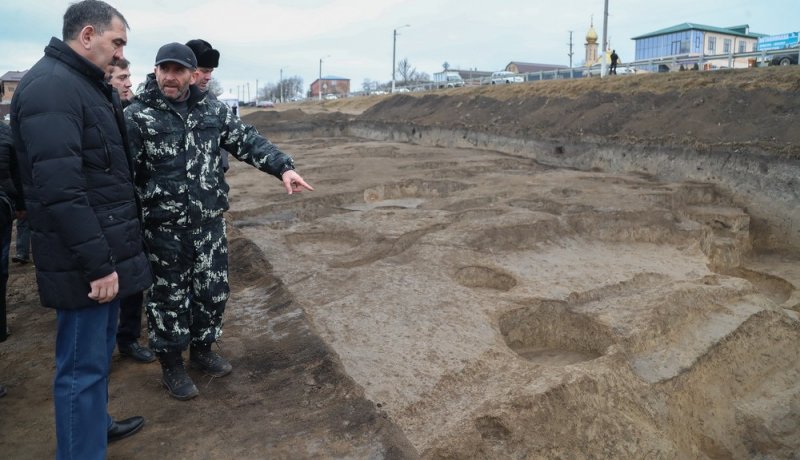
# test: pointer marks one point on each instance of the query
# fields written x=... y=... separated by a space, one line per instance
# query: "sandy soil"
x=451 y=302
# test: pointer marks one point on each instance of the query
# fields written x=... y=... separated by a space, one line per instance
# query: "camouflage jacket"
x=177 y=163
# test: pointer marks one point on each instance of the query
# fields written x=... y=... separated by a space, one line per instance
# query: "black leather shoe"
x=124 y=428
x=137 y=352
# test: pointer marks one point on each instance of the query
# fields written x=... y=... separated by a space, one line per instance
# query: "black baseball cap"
x=178 y=53
x=206 y=55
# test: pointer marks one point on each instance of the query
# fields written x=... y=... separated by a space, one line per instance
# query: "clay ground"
x=451 y=302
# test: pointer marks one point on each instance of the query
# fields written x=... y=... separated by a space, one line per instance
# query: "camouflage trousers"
x=190 y=285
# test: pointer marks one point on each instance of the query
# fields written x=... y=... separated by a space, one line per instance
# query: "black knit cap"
x=206 y=55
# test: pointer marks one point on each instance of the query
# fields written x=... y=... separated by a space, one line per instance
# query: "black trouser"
x=130 y=319
x=3 y=326
x=5 y=245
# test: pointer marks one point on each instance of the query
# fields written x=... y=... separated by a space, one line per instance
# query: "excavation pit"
x=551 y=335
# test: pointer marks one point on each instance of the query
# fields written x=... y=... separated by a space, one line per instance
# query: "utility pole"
x=394 y=52
x=280 y=84
x=570 y=49
x=256 y=92
x=604 y=45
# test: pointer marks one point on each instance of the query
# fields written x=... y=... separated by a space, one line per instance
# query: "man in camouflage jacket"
x=176 y=133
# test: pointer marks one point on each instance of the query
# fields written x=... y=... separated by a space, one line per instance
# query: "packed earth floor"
x=593 y=269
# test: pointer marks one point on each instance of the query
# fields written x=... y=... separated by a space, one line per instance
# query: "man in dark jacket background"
x=207 y=61
x=86 y=235
x=130 y=311
x=120 y=78
x=10 y=204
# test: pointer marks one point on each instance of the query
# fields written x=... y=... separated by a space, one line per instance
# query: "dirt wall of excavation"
x=767 y=185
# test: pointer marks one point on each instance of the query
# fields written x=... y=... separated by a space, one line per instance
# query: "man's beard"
x=180 y=97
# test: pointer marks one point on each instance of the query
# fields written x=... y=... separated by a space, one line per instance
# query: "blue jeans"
x=84 y=344
x=23 y=239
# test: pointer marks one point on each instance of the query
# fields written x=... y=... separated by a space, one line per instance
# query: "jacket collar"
x=57 y=49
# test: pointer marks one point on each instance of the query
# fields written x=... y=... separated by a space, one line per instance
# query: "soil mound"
x=755 y=109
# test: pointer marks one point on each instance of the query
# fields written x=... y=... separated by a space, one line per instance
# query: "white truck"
x=448 y=79
x=506 y=77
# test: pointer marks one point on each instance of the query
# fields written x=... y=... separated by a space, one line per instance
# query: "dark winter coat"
x=178 y=164
x=76 y=174
x=10 y=184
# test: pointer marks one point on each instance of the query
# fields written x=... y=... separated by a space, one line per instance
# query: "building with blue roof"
x=693 y=43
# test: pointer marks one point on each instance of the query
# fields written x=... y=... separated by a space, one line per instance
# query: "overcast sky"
x=258 y=38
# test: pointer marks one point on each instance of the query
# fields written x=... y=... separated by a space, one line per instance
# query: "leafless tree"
x=268 y=92
x=367 y=85
x=289 y=87
x=420 y=77
x=405 y=70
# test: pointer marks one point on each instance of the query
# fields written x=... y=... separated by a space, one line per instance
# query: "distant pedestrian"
x=614 y=62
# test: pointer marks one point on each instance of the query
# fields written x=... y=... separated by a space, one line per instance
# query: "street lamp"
x=319 y=82
x=394 y=51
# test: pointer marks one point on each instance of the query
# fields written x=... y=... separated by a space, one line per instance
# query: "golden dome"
x=591 y=35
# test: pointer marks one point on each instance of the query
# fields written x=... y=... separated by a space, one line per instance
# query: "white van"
x=506 y=77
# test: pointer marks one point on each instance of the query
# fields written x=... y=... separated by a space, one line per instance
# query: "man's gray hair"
x=93 y=13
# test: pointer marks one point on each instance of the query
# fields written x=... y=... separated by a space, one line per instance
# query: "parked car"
x=448 y=79
x=265 y=104
x=594 y=70
x=330 y=97
x=506 y=77
x=784 y=59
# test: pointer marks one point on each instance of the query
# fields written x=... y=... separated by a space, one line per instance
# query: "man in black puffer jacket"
x=86 y=234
